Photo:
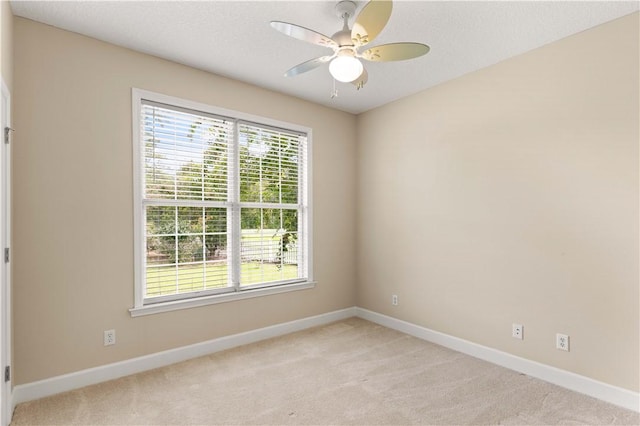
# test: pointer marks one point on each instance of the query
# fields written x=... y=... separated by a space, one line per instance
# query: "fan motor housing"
x=343 y=38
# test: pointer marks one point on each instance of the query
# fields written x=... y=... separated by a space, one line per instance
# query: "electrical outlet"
x=394 y=300
x=109 y=337
x=562 y=342
x=517 y=331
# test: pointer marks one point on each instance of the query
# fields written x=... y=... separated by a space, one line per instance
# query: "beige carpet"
x=349 y=372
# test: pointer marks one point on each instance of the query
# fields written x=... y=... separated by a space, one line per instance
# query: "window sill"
x=175 y=305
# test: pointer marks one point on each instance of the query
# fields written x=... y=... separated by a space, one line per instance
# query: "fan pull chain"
x=334 y=93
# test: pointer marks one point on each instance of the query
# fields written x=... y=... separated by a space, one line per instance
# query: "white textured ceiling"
x=234 y=38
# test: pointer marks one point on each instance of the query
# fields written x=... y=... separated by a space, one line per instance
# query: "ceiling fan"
x=344 y=64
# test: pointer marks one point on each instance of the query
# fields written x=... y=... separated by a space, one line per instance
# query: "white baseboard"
x=79 y=379
x=566 y=379
x=40 y=389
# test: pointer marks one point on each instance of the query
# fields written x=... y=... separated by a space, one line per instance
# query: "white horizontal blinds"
x=185 y=154
x=271 y=165
x=186 y=163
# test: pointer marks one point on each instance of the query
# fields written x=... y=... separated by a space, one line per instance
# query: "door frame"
x=6 y=403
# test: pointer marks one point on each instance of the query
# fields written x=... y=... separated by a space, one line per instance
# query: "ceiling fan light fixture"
x=344 y=64
x=345 y=68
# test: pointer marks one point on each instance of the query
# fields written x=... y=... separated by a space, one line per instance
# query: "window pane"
x=271 y=219
x=161 y=220
x=290 y=220
x=215 y=219
x=217 y=270
x=160 y=181
x=249 y=172
x=190 y=248
x=216 y=275
x=185 y=154
x=216 y=169
x=189 y=181
x=161 y=250
x=269 y=166
x=289 y=170
x=191 y=265
x=161 y=280
x=216 y=247
x=253 y=272
x=269 y=252
x=270 y=176
x=290 y=255
x=190 y=278
x=190 y=220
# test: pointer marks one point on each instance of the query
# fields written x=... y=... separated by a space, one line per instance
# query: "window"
x=221 y=204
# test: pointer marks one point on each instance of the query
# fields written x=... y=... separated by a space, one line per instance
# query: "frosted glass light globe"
x=345 y=68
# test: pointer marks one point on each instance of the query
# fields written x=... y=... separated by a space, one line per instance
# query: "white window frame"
x=235 y=293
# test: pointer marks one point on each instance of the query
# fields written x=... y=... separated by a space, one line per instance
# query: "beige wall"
x=6 y=43
x=511 y=195
x=73 y=217
x=507 y=195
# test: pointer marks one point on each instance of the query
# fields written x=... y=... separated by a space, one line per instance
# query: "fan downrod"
x=345 y=9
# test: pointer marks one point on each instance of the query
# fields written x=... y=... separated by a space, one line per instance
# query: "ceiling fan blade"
x=304 y=34
x=371 y=20
x=308 y=65
x=362 y=80
x=395 y=52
